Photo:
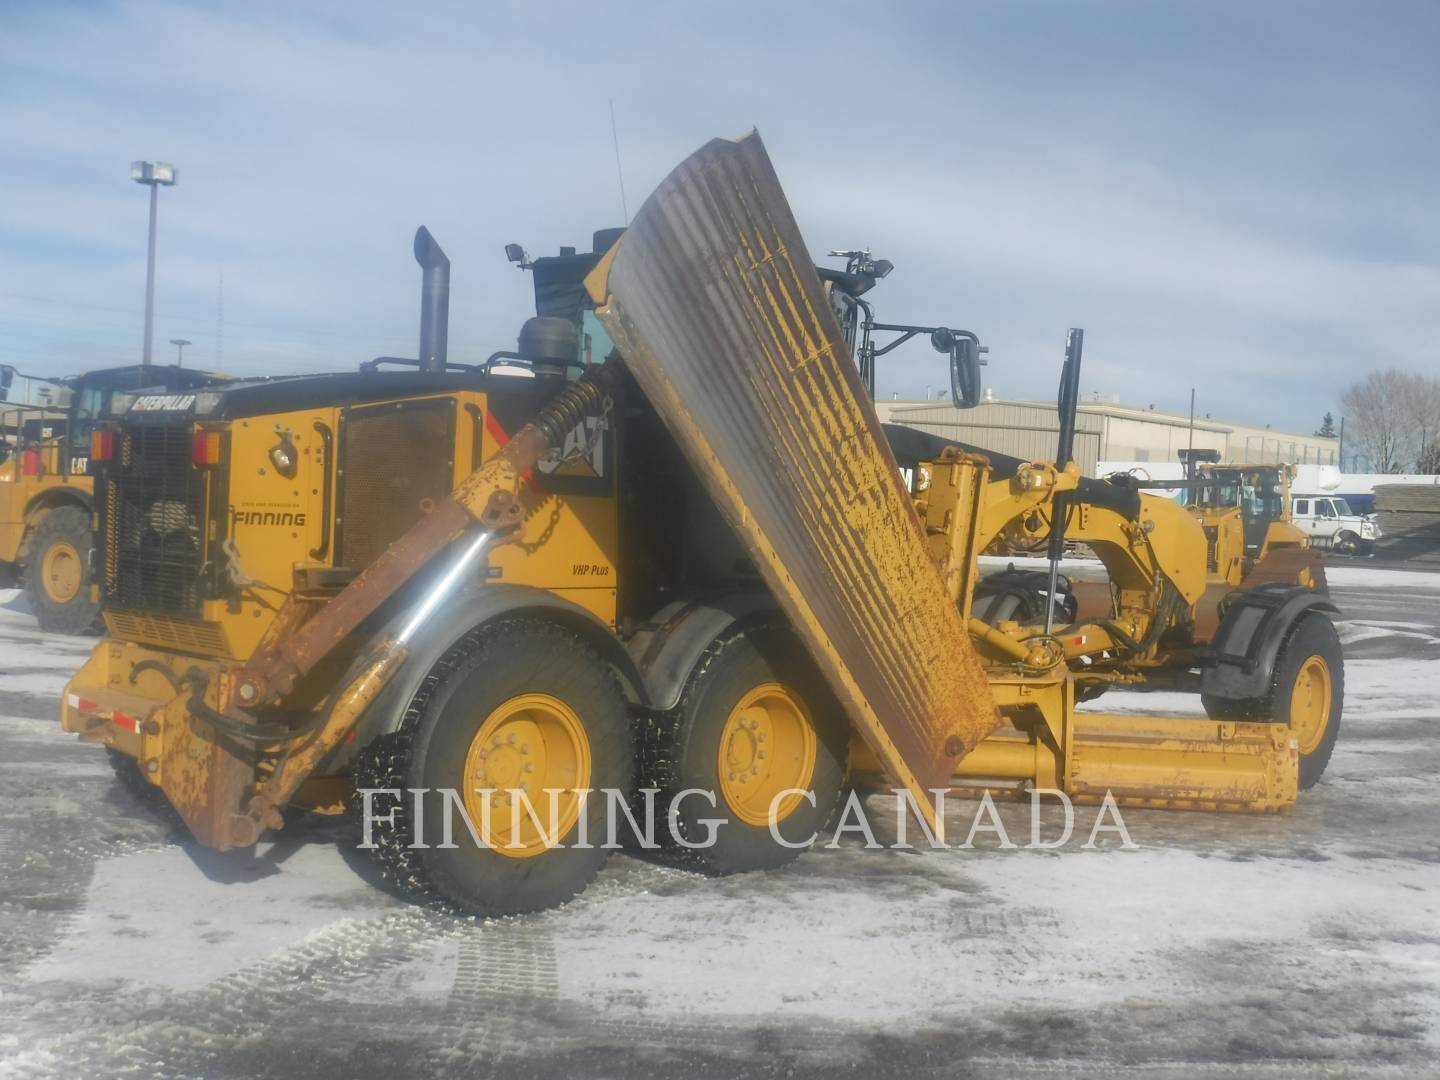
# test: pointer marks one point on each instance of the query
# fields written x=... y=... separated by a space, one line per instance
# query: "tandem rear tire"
x=756 y=720
x=58 y=574
x=516 y=707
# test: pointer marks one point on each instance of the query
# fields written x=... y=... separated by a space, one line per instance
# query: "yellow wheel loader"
x=46 y=489
x=662 y=550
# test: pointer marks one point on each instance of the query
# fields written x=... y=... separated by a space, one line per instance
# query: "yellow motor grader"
x=661 y=549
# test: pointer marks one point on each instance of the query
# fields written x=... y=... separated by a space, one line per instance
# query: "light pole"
x=154 y=175
x=179 y=343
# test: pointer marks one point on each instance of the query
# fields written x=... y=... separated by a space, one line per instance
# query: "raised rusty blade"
x=716 y=308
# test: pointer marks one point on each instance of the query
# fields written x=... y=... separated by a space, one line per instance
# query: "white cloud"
x=1218 y=200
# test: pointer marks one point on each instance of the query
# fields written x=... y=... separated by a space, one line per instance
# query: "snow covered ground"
x=1298 y=945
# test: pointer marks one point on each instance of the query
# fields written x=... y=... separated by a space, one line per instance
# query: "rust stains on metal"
x=263 y=810
x=488 y=495
x=715 y=305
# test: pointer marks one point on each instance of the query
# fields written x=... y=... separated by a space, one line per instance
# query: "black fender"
x=470 y=607
x=53 y=498
x=1245 y=648
x=666 y=649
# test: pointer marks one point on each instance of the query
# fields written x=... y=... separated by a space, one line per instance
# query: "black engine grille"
x=154 y=522
x=395 y=462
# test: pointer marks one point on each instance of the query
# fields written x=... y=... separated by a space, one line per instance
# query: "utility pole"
x=179 y=343
x=154 y=175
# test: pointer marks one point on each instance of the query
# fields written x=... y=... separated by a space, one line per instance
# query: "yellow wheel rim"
x=1310 y=703
x=61 y=572
x=766 y=746
x=531 y=745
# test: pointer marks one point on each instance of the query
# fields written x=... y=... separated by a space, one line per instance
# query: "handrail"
x=327 y=441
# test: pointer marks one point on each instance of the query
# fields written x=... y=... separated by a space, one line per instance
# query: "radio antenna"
x=619 y=173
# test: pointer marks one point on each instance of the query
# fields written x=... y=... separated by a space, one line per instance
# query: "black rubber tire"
x=485 y=668
x=1312 y=635
x=81 y=614
x=1347 y=543
x=680 y=750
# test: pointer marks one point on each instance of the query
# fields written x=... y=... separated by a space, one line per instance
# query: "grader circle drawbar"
x=665 y=544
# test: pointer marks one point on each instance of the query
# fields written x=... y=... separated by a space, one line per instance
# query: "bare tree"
x=1423 y=414
x=1393 y=416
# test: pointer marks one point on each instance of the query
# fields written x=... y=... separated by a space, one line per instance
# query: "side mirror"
x=965 y=363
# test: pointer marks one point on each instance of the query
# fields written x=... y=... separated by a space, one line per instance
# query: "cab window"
x=595 y=343
x=1302 y=507
x=1323 y=508
x=89 y=404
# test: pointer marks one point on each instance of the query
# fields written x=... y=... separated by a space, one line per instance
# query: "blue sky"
x=1238 y=197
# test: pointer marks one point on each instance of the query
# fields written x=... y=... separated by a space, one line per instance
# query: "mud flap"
x=715 y=306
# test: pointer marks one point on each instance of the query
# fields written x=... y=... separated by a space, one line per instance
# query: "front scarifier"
x=715 y=304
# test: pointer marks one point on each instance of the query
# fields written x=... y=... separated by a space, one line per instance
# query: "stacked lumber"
x=1409 y=520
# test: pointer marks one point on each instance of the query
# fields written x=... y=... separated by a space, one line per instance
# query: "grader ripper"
x=663 y=545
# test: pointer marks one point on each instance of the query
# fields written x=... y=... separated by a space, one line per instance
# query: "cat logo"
x=583 y=452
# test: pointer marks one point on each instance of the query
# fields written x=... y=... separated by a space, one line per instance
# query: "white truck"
x=1331 y=523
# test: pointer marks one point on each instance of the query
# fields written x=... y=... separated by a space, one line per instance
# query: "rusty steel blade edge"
x=715 y=306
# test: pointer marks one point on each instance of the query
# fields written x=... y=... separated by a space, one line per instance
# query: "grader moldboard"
x=663 y=544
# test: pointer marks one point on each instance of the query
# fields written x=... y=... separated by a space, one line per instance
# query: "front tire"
x=519 y=705
x=1307 y=694
x=756 y=718
x=57 y=573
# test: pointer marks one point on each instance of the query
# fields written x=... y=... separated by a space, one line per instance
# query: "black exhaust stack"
x=434 y=301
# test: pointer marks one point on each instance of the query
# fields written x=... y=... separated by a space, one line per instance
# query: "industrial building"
x=1106 y=431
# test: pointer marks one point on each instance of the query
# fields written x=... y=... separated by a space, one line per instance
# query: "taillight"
x=102 y=445
x=207 y=448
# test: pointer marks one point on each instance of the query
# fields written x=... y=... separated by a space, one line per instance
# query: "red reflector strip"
x=75 y=701
x=1080 y=640
x=120 y=719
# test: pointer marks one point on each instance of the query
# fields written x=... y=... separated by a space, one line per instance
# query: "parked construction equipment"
x=664 y=544
x=46 y=490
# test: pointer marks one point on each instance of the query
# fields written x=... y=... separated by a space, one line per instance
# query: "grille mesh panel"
x=181 y=635
x=395 y=463
x=155 y=517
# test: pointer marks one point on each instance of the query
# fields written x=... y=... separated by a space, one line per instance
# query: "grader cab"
x=661 y=550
